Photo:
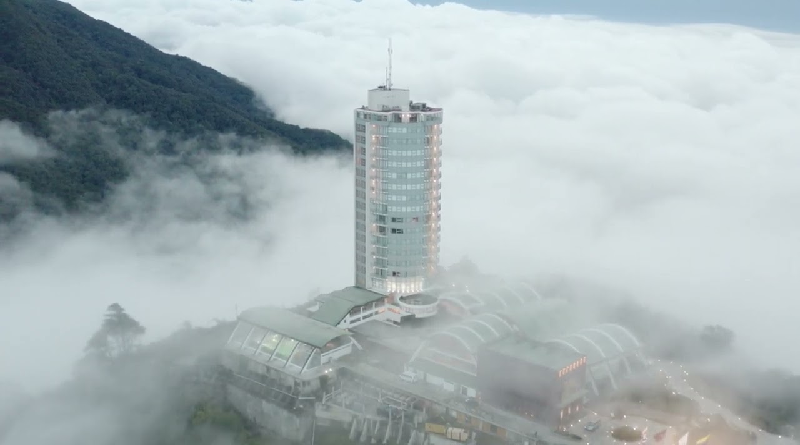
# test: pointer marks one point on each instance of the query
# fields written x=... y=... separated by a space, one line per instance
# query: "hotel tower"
x=398 y=175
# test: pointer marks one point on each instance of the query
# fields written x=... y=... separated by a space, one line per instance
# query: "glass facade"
x=398 y=196
x=267 y=347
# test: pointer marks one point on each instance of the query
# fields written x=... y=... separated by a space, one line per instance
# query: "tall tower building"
x=397 y=191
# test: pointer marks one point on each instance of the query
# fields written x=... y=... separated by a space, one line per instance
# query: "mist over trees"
x=770 y=399
x=93 y=154
x=717 y=338
x=118 y=335
x=669 y=338
x=127 y=392
x=56 y=58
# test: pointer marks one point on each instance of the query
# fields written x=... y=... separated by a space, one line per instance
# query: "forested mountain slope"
x=53 y=57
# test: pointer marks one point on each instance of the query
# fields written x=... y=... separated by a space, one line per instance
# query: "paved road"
x=676 y=377
x=602 y=436
x=487 y=413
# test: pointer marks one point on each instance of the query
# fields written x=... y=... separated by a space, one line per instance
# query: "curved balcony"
x=420 y=305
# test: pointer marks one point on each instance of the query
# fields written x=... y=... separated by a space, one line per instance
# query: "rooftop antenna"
x=389 y=68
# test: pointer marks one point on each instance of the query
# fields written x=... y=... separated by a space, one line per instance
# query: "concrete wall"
x=523 y=380
x=450 y=386
x=284 y=423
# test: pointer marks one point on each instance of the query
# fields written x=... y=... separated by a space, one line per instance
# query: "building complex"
x=409 y=337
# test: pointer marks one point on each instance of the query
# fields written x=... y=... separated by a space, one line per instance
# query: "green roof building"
x=333 y=308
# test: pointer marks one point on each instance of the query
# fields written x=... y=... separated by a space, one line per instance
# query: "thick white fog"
x=662 y=161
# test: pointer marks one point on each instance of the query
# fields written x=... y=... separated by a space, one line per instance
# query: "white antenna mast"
x=389 y=69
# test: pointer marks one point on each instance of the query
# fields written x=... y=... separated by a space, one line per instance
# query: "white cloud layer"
x=15 y=146
x=659 y=160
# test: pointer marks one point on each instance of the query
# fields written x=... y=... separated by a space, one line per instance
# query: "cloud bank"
x=190 y=238
x=657 y=160
x=16 y=146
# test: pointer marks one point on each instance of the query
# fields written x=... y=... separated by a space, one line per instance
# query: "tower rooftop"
x=388 y=99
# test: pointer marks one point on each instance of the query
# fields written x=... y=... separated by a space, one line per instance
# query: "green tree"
x=118 y=335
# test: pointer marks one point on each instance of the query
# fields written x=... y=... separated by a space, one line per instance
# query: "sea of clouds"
x=658 y=160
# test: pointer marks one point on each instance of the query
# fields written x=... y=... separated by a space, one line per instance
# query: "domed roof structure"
x=611 y=350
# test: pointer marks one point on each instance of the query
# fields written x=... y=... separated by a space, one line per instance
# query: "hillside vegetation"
x=58 y=58
x=53 y=57
x=769 y=399
x=123 y=392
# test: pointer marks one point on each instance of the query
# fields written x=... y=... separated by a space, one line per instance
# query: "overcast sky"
x=776 y=15
x=658 y=160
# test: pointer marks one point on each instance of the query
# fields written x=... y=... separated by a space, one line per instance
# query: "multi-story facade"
x=397 y=156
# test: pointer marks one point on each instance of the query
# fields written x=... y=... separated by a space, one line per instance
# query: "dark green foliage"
x=87 y=164
x=54 y=57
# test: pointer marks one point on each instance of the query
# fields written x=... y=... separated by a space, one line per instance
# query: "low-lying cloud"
x=185 y=238
x=657 y=160
x=16 y=146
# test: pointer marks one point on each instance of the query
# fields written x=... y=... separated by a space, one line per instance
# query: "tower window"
x=397 y=231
